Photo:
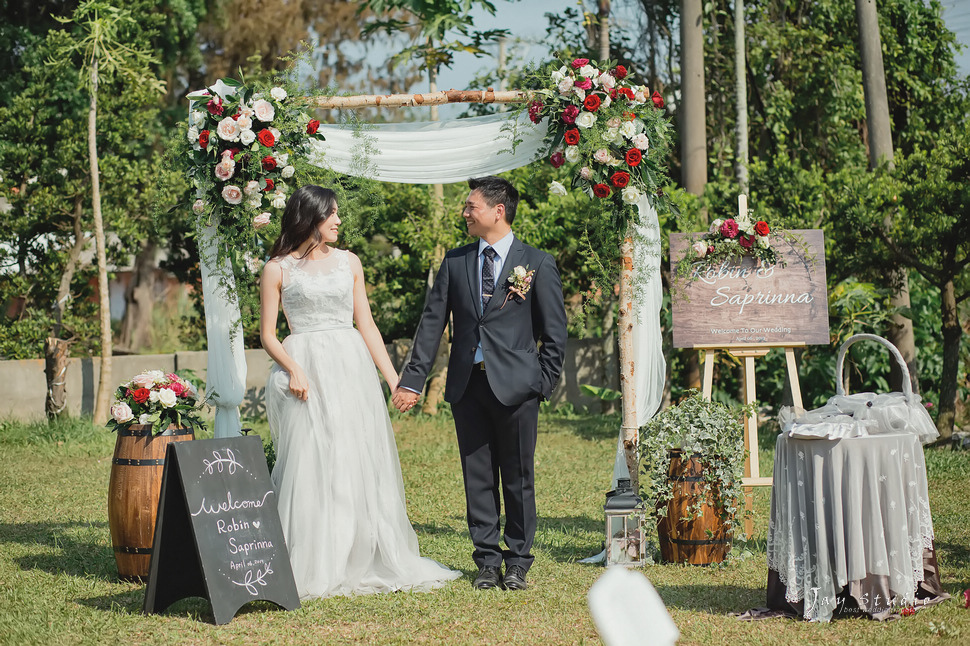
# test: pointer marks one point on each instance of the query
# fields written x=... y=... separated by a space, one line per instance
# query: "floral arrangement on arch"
x=246 y=148
x=613 y=132
x=157 y=399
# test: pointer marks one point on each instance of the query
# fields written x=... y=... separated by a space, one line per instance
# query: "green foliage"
x=697 y=427
x=602 y=393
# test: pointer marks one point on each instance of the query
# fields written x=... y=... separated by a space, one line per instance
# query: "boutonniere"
x=520 y=282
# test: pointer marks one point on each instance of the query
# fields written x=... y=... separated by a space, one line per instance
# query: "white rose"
x=278 y=93
x=585 y=119
x=716 y=225
x=601 y=156
x=607 y=101
x=253 y=264
x=144 y=380
x=700 y=248
x=193 y=135
x=614 y=122
x=628 y=129
x=244 y=122
x=558 y=76
x=225 y=169
x=121 y=412
x=228 y=129
x=589 y=71
x=264 y=110
x=287 y=172
x=251 y=187
x=744 y=224
x=261 y=220
x=641 y=141
x=245 y=110
x=279 y=201
x=572 y=154
x=282 y=159
x=167 y=397
x=246 y=137
x=612 y=135
x=255 y=200
x=640 y=96
x=580 y=93
x=565 y=86
x=232 y=194
x=519 y=271
x=585 y=172
x=196 y=118
x=607 y=81
x=762 y=241
x=630 y=195
x=555 y=188
x=198 y=206
x=153 y=396
x=276 y=134
x=144 y=418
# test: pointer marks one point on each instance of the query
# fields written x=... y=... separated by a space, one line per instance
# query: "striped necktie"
x=488 y=275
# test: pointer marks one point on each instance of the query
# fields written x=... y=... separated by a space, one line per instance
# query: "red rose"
x=746 y=242
x=619 y=72
x=557 y=160
x=141 y=395
x=204 y=138
x=601 y=190
x=269 y=162
x=214 y=106
x=572 y=136
x=266 y=137
x=569 y=114
x=633 y=157
x=579 y=62
x=761 y=228
x=620 y=179
x=657 y=99
x=908 y=611
x=269 y=184
x=592 y=103
x=311 y=128
x=628 y=93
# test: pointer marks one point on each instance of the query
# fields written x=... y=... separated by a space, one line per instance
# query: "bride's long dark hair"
x=306 y=209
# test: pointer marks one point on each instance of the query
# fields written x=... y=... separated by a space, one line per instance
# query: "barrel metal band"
x=126 y=549
x=125 y=462
x=687 y=541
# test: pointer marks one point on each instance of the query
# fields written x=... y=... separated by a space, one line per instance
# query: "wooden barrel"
x=133 y=491
x=697 y=541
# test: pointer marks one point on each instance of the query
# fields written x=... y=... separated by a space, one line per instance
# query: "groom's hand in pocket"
x=404 y=399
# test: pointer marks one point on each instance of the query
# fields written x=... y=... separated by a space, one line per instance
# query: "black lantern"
x=625 y=544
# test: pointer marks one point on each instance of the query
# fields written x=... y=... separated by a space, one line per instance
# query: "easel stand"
x=748 y=352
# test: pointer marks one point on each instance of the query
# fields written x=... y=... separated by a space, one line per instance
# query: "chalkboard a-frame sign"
x=218 y=533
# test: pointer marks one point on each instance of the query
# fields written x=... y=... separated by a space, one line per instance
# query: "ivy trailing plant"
x=698 y=427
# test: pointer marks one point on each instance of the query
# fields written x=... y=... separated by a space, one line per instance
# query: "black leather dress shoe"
x=515 y=578
x=490 y=576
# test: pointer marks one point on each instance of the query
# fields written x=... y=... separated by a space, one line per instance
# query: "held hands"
x=404 y=399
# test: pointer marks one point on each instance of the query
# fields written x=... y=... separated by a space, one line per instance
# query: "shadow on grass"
x=711 y=599
x=952 y=555
x=87 y=558
x=592 y=427
x=195 y=608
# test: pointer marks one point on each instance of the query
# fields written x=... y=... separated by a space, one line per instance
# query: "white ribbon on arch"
x=447 y=152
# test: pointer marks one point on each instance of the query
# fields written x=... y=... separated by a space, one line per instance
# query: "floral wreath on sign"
x=613 y=132
x=246 y=149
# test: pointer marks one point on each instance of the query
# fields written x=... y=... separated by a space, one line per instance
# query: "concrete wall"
x=23 y=384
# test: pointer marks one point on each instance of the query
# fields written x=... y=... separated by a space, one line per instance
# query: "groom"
x=507 y=350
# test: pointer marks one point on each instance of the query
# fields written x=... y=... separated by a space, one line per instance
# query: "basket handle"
x=839 y=387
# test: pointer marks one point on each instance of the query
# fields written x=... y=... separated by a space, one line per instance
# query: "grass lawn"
x=58 y=581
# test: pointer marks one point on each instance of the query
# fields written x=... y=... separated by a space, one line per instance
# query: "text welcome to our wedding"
x=741 y=304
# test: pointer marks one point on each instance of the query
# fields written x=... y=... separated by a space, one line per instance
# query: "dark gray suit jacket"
x=523 y=343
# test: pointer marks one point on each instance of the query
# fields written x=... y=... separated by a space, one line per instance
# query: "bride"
x=337 y=475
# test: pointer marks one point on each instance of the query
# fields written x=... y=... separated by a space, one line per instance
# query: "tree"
x=100 y=46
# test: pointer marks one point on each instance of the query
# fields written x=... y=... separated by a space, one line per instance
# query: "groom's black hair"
x=496 y=190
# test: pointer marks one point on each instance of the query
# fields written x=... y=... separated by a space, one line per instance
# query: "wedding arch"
x=447 y=152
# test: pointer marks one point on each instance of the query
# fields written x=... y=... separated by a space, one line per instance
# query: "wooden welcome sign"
x=740 y=304
x=218 y=534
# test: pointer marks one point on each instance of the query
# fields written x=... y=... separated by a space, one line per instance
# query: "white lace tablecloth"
x=844 y=512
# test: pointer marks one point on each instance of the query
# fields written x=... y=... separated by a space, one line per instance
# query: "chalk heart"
x=256 y=524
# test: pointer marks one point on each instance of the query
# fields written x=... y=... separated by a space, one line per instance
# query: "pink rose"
x=232 y=194
x=178 y=388
x=121 y=413
x=579 y=62
x=601 y=156
x=264 y=110
x=584 y=83
x=225 y=169
x=198 y=206
x=228 y=129
x=585 y=172
x=569 y=114
x=144 y=380
x=700 y=248
x=729 y=229
x=261 y=220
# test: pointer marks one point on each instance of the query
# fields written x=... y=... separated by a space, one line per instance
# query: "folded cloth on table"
x=859 y=415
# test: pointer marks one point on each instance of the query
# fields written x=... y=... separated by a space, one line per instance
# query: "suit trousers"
x=498 y=442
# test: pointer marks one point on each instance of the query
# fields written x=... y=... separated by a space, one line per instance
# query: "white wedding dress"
x=337 y=474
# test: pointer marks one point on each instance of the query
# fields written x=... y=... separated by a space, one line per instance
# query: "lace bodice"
x=318 y=294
